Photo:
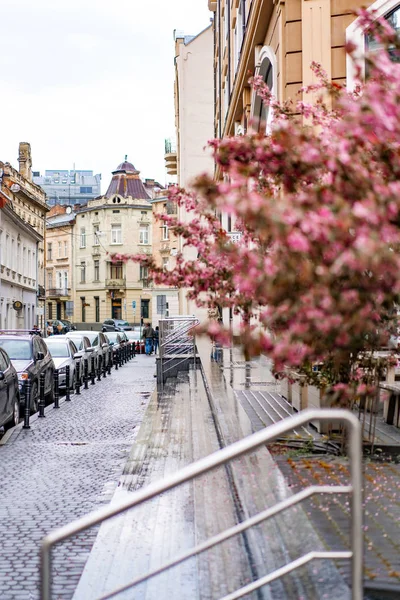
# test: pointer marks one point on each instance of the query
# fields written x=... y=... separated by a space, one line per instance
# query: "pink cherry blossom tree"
x=316 y=274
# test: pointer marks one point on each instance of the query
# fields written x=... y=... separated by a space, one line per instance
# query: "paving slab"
x=63 y=467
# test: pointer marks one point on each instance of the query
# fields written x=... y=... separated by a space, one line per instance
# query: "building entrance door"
x=116 y=308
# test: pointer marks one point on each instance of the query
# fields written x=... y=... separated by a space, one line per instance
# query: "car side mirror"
x=90 y=349
x=40 y=356
x=2 y=376
x=77 y=355
x=105 y=345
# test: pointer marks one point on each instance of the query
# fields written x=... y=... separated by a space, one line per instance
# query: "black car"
x=62 y=326
x=116 y=325
x=9 y=392
x=30 y=357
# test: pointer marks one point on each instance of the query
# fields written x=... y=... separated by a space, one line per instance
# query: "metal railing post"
x=42 y=402
x=56 y=389
x=78 y=378
x=86 y=375
x=116 y=359
x=27 y=404
x=99 y=368
x=92 y=371
x=357 y=535
x=109 y=364
x=103 y=361
x=67 y=383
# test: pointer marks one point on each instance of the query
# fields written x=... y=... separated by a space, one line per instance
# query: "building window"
x=116 y=234
x=59 y=249
x=144 y=309
x=83 y=309
x=165 y=262
x=65 y=248
x=116 y=270
x=96 y=241
x=59 y=280
x=97 y=309
x=238 y=35
x=144 y=272
x=85 y=190
x=83 y=272
x=83 y=237
x=372 y=45
x=50 y=280
x=161 y=304
x=66 y=282
x=165 y=232
x=49 y=251
x=143 y=234
x=96 y=270
x=50 y=310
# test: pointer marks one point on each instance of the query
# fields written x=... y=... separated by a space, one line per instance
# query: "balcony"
x=116 y=284
x=170 y=158
x=58 y=292
x=147 y=283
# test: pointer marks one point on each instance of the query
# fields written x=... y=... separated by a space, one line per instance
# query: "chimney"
x=25 y=160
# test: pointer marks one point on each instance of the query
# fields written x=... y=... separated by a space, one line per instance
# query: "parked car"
x=9 y=392
x=115 y=340
x=64 y=353
x=30 y=357
x=134 y=336
x=116 y=325
x=100 y=344
x=85 y=349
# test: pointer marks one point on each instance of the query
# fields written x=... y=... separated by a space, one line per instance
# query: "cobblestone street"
x=66 y=465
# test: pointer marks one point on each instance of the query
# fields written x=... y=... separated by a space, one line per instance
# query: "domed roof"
x=126 y=183
x=126 y=167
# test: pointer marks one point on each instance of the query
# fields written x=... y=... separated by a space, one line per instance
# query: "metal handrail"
x=222 y=457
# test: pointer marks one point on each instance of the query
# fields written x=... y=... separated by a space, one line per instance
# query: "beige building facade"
x=28 y=202
x=59 y=251
x=278 y=40
x=194 y=101
x=165 y=248
x=120 y=222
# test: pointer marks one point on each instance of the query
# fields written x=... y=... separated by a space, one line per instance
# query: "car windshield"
x=78 y=342
x=58 y=349
x=113 y=336
x=93 y=337
x=17 y=349
x=122 y=323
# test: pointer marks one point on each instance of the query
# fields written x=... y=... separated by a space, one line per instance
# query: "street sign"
x=133 y=304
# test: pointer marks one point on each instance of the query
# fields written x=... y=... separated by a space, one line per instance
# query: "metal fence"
x=177 y=343
x=223 y=457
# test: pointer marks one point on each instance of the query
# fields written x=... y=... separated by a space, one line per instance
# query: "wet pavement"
x=65 y=466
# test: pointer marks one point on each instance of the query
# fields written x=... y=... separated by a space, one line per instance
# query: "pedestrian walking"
x=156 y=339
x=148 y=334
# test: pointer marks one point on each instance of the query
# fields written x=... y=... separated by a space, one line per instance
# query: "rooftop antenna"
x=126 y=157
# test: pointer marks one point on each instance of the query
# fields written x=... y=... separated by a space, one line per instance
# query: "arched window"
x=266 y=68
x=390 y=9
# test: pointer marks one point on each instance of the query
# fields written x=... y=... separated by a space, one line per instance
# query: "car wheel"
x=34 y=398
x=15 y=417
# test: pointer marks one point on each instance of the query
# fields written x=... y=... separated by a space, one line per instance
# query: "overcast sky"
x=88 y=81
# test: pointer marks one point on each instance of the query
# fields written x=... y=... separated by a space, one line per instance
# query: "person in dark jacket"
x=148 y=334
x=156 y=339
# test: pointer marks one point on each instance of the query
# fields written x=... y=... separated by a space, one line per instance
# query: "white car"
x=64 y=353
x=85 y=350
x=101 y=346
